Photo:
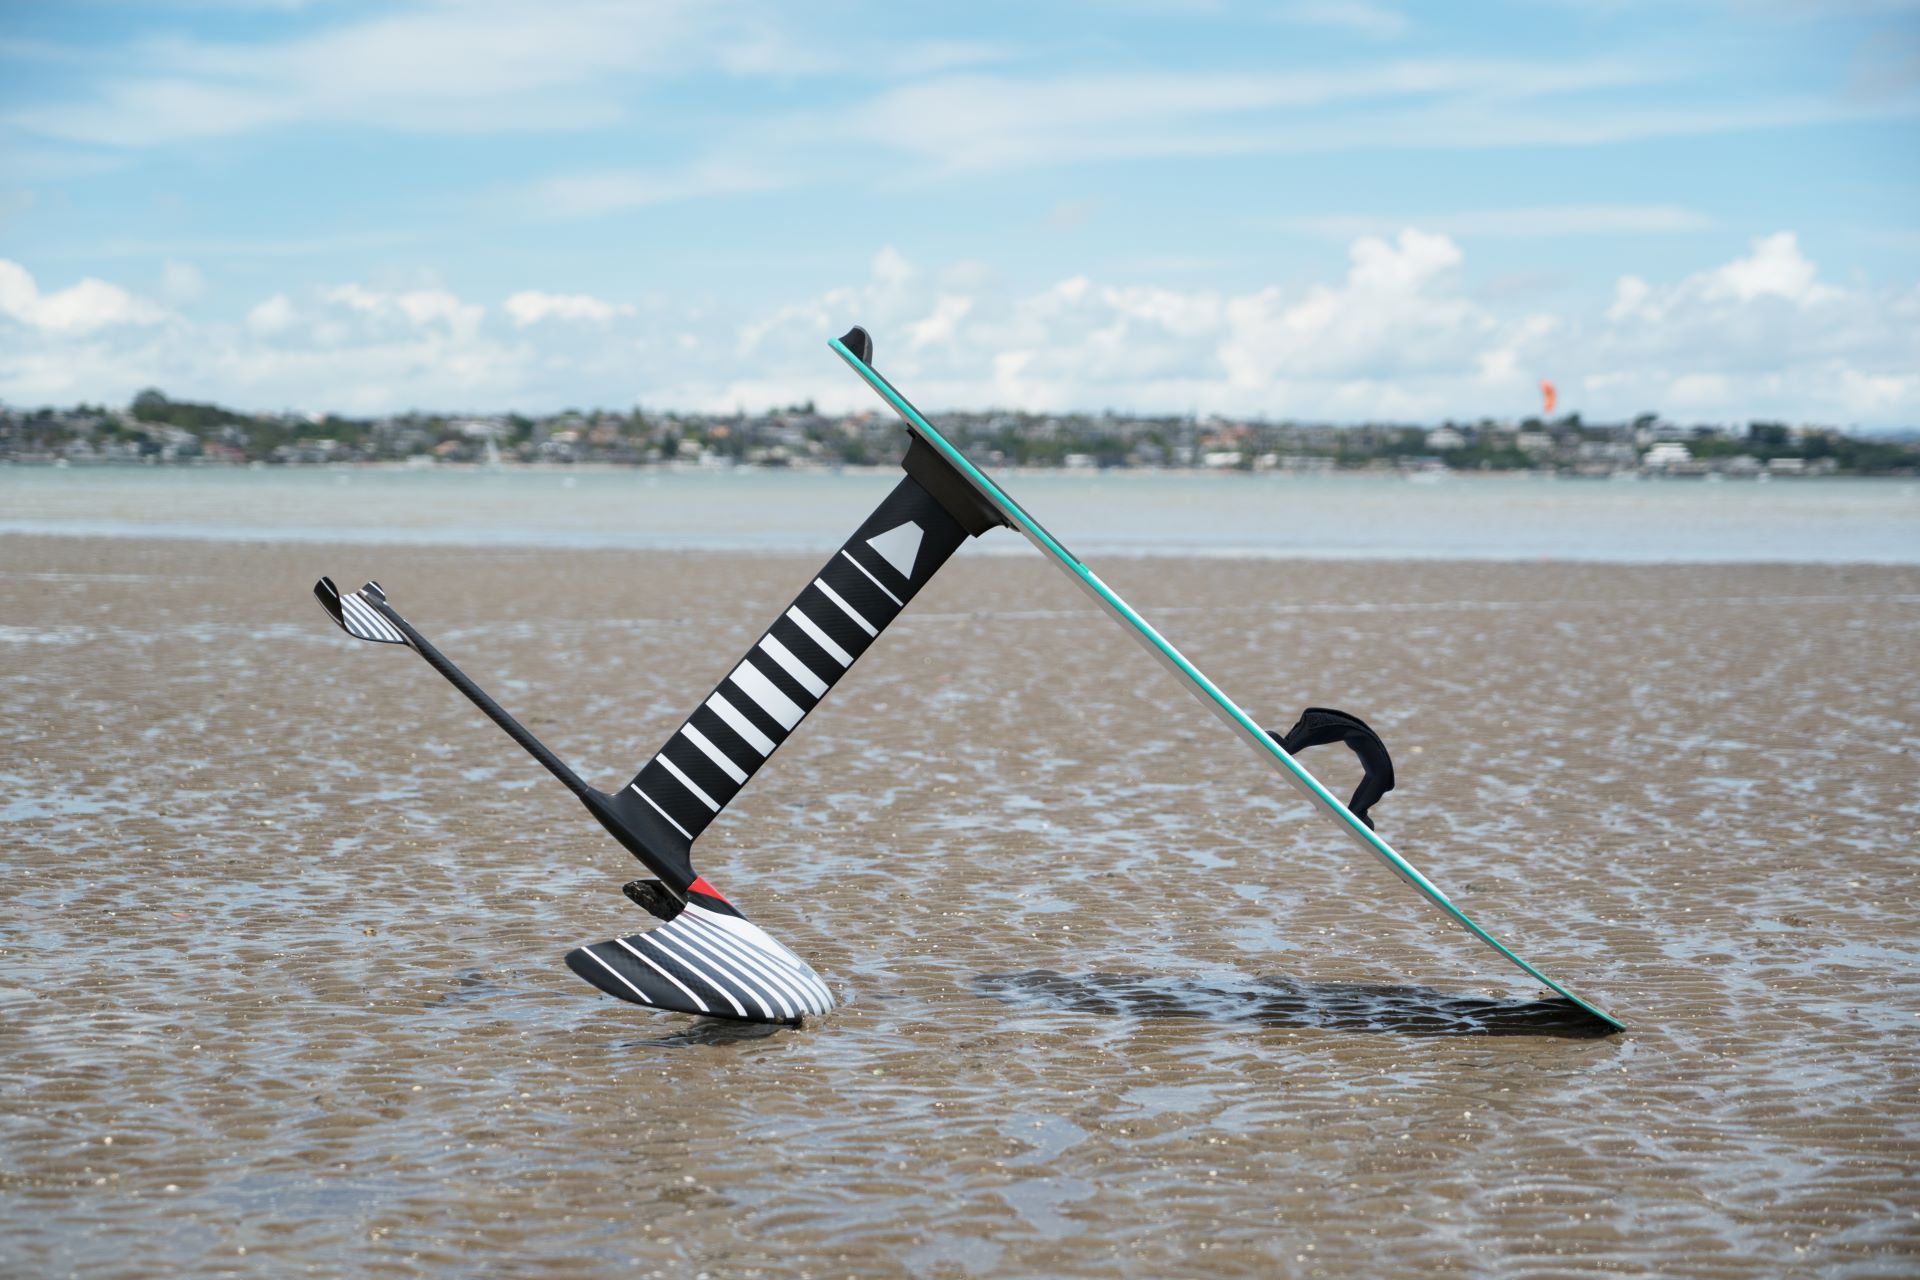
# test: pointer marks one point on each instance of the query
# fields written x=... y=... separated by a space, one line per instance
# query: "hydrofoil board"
x=856 y=348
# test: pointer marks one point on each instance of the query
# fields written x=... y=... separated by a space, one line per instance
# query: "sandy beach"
x=283 y=990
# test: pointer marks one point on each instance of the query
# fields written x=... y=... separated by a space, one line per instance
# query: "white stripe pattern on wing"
x=870 y=578
x=720 y=940
x=689 y=783
x=380 y=624
x=624 y=980
x=753 y=682
x=802 y=674
x=352 y=619
x=748 y=731
x=371 y=626
x=662 y=812
x=671 y=947
x=819 y=637
x=757 y=940
x=750 y=937
x=713 y=753
x=749 y=956
x=647 y=960
x=755 y=986
x=846 y=608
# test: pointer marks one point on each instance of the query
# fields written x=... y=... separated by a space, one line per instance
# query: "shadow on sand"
x=1284 y=1002
x=711 y=1032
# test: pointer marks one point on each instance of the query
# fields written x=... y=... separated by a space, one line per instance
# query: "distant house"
x=1442 y=439
x=483 y=428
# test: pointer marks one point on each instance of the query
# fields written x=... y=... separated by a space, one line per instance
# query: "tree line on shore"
x=154 y=428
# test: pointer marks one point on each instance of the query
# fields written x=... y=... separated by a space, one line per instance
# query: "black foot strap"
x=1322 y=726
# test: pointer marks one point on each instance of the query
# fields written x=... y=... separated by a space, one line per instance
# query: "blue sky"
x=1331 y=209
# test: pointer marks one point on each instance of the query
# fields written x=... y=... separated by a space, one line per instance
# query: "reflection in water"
x=1283 y=1002
x=1501 y=517
x=710 y=1032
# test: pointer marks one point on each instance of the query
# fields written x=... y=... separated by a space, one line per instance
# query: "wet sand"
x=282 y=990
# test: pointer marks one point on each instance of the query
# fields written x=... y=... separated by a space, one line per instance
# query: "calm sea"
x=1338 y=516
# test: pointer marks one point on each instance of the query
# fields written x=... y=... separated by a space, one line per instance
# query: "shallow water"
x=1338 y=516
x=282 y=988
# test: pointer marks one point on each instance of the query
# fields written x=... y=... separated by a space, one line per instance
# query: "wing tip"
x=329 y=597
x=355 y=614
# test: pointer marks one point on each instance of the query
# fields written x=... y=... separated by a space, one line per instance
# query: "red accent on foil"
x=700 y=885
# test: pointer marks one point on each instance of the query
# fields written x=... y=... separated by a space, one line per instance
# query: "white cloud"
x=531 y=306
x=1527 y=221
x=273 y=315
x=964 y=126
x=1775 y=269
x=942 y=323
x=973 y=123
x=181 y=282
x=1401 y=333
x=1070 y=215
x=1630 y=294
x=891 y=297
x=1361 y=17
x=349 y=348
x=1399 y=307
x=1759 y=335
x=592 y=195
x=418 y=308
x=15 y=201
x=934 y=56
x=437 y=68
x=78 y=309
x=1697 y=392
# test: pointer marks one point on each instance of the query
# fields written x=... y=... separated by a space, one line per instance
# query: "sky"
x=1330 y=210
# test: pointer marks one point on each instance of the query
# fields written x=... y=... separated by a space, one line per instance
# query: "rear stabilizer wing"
x=707 y=959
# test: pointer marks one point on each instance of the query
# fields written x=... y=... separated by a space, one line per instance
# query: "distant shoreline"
x=156 y=429
x=859 y=469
